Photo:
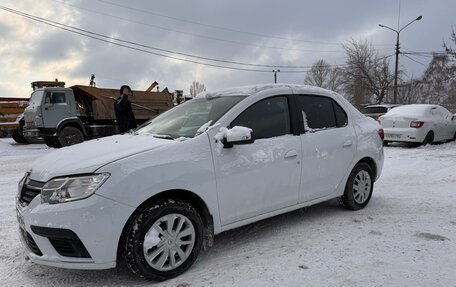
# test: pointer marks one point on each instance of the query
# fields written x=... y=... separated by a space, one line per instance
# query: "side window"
x=317 y=112
x=341 y=116
x=58 y=98
x=47 y=98
x=267 y=118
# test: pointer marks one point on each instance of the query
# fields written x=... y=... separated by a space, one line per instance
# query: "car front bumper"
x=57 y=235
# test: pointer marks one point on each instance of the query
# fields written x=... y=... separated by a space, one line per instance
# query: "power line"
x=110 y=41
x=194 y=34
x=211 y=26
x=410 y=58
x=220 y=27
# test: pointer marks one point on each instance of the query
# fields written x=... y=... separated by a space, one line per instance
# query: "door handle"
x=291 y=153
x=347 y=144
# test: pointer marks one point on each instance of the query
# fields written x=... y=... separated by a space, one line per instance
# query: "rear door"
x=328 y=145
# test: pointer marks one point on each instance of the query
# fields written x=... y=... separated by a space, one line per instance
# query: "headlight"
x=66 y=189
x=21 y=184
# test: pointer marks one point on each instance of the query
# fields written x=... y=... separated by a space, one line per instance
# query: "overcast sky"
x=264 y=32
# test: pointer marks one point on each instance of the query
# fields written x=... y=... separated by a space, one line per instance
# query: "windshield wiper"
x=167 y=137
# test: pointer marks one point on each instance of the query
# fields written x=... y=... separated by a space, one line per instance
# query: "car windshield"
x=186 y=119
x=36 y=98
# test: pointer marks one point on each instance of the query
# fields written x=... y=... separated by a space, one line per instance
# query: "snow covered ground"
x=406 y=236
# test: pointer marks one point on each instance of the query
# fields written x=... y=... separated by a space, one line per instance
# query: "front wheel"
x=358 y=190
x=70 y=136
x=164 y=240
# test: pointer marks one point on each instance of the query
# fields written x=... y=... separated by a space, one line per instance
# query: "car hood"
x=89 y=156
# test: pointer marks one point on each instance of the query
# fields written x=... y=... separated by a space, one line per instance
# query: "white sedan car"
x=419 y=123
x=152 y=198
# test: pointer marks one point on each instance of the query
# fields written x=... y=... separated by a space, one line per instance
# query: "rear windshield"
x=408 y=110
x=374 y=110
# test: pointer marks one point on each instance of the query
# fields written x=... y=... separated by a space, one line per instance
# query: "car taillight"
x=381 y=134
x=416 y=124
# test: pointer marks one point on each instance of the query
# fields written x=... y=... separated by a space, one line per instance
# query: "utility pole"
x=275 y=75
x=396 y=68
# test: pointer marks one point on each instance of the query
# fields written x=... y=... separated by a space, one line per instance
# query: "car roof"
x=255 y=89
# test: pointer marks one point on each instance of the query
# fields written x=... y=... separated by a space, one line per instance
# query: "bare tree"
x=367 y=73
x=323 y=75
x=448 y=47
x=409 y=92
x=196 y=88
x=438 y=81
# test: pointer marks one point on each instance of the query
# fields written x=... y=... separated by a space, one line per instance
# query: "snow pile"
x=405 y=236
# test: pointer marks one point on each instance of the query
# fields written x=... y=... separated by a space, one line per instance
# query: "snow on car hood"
x=91 y=155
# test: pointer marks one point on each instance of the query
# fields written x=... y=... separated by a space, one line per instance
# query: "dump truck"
x=11 y=110
x=66 y=116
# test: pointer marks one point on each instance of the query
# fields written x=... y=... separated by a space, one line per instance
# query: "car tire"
x=429 y=139
x=359 y=187
x=70 y=136
x=155 y=252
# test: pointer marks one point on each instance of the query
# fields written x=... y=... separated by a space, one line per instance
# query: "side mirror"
x=235 y=136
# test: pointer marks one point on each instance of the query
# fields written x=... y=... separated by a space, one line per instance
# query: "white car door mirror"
x=235 y=136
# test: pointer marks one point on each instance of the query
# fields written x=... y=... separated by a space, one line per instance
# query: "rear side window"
x=320 y=112
x=341 y=116
x=267 y=118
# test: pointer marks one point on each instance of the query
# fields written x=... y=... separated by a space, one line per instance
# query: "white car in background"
x=419 y=123
x=152 y=198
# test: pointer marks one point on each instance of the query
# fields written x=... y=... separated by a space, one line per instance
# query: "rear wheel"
x=428 y=139
x=70 y=136
x=358 y=190
x=164 y=240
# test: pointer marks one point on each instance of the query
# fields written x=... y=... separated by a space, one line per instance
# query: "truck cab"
x=47 y=108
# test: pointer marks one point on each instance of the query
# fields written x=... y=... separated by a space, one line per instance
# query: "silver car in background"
x=419 y=123
x=375 y=111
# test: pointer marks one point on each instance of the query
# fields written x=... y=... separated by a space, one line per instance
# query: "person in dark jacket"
x=122 y=107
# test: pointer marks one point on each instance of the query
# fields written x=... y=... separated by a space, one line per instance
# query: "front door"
x=55 y=108
x=264 y=176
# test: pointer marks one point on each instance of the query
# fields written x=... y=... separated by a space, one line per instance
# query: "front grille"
x=29 y=191
x=69 y=247
x=64 y=241
x=28 y=239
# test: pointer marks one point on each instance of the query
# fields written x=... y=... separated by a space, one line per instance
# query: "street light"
x=397 y=52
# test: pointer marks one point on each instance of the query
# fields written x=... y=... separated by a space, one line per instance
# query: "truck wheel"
x=358 y=190
x=52 y=142
x=18 y=137
x=164 y=240
x=70 y=136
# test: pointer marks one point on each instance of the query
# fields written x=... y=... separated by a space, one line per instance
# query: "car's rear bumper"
x=404 y=134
